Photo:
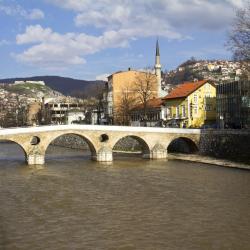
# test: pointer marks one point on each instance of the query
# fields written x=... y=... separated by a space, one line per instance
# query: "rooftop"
x=184 y=90
x=152 y=103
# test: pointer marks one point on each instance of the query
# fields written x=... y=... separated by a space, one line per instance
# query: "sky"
x=87 y=39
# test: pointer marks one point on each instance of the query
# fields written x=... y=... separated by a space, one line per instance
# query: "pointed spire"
x=157 y=53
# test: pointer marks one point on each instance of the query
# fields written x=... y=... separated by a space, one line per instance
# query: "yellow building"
x=122 y=89
x=191 y=104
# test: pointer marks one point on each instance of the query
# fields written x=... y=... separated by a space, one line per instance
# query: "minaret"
x=158 y=68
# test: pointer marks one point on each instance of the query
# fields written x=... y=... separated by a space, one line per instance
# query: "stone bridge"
x=101 y=139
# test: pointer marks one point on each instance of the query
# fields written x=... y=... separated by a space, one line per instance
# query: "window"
x=208 y=107
x=177 y=111
x=195 y=98
x=169 y=113
x=207 y=90
x=183 y=111
x=195 y=109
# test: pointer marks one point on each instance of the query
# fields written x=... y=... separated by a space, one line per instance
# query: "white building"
x=58 y=111
x=75 y=116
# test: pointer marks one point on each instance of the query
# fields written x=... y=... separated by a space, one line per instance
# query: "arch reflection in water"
x=182 y=145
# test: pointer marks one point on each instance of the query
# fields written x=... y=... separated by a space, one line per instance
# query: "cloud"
x=154 y=16
x=35 y=14
x=119 y=22
x=18 y=10
x=102 y=77
x=51 y=49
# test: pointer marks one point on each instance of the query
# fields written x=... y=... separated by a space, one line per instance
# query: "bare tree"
x=145 y=87
x=127 y=102
x=239 y=37
x=99 y=102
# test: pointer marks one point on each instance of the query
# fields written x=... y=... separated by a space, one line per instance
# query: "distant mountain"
x=65 y=85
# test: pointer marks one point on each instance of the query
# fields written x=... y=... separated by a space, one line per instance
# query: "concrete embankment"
x=208 y=160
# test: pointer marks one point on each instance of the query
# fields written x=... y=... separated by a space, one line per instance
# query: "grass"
x=28 y=88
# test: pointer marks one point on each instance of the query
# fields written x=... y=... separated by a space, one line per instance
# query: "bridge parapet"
x=101 y=139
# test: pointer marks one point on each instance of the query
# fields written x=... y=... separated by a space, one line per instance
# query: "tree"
x=145 y=87
x=239 y=37
x=99 y=102
x=127 y=102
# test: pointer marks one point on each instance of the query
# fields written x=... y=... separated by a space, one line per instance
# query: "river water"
x=75 y=203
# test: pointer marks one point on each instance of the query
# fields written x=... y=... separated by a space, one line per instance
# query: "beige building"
x=124 y=90
x=34 y=113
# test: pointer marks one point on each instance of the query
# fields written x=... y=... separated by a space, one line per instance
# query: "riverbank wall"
x=226 y=144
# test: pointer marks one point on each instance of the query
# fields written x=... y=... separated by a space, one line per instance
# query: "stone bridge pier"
x=100 y=139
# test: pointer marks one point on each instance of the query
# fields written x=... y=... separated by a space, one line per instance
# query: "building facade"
x=121 y=93
x=233 y=104
x=75 y=116
x=191 y=105
x=155 y=114
x=121 y=90
x=57 y=112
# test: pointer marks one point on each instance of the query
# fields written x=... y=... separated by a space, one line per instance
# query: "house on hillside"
x=191 y=105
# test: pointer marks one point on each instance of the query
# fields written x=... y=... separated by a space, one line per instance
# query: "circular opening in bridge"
x=131 y=146
x=182 y=145
x=104 y=138
x=35 y=140
x=70 y=148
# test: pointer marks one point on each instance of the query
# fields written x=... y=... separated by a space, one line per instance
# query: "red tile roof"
x=152 y=103
x=184 y=90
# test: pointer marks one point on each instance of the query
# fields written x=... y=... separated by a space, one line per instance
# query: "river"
x=133 y=203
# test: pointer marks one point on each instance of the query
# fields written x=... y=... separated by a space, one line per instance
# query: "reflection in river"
x=74 y=203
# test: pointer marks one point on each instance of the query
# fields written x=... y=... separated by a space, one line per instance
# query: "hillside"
x=215 y=70
x=65 y=85
x=31 y=90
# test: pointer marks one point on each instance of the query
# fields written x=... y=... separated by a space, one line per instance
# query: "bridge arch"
x=182 y=145
x=137 y=144
x=20 y=146
x=89 y=143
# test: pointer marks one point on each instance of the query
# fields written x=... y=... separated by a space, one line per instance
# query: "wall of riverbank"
x=226 y=144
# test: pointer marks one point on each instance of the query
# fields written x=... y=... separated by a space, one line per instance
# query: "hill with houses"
x=214 y=70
